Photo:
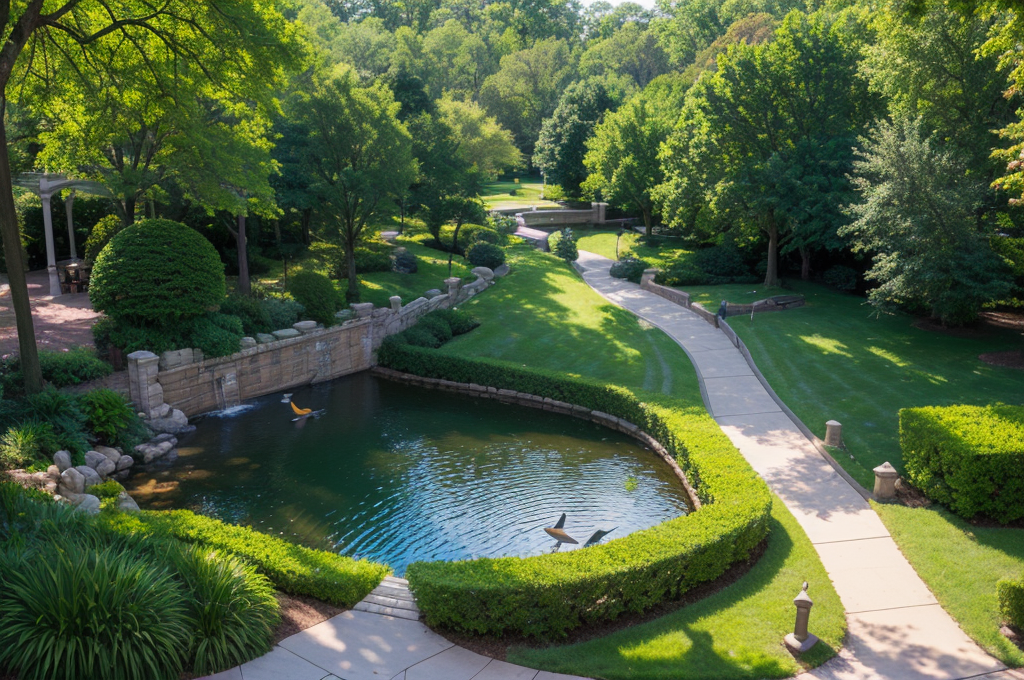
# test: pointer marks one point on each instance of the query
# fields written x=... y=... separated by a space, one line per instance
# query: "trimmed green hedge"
x=969 y=458
x=292 y=568
x=549 y=595
x=1011 y=601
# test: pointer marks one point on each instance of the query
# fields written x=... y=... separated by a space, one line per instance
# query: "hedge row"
x=292 y=568
x=1011 y=601
x=549 y=595
x=969 y=458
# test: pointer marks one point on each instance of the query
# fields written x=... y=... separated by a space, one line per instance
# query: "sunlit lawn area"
x=602 y=242
x=543 y=315
x=496 y=195
x=378 y=287
x=834 y=359
x=735 y=633
x=961 y=563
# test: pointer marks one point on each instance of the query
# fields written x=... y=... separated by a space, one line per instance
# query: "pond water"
x=397 y=473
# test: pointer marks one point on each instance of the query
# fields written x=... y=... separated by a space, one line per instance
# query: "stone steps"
x=391 y=598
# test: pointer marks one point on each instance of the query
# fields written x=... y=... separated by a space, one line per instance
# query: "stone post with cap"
x=833 y=433
x=799 y=641
x=885 y=482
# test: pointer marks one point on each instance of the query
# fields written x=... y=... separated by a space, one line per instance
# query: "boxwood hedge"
x=549 y=595
x=969 y=458
x=1011 y=601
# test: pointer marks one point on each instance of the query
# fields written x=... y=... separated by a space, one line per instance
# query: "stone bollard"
x=885 y=482
x=396 y=303
x=833 y=433
x=648 y=277
x=799 y=641
x=453 y=288
x=143 y=387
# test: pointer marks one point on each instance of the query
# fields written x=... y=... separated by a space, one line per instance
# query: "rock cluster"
x=72 y=482
x=160 y=447
x=166 y=420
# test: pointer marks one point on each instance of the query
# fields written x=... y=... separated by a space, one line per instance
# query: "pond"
x=397 y=474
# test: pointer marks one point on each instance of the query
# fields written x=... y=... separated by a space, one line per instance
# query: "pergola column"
x=51 y=256
x=68 y=202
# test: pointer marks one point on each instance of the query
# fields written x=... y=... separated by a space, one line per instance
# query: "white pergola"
x=45 y=185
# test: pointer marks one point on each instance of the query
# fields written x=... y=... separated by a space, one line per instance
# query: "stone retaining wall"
x=548 y=404
x=193 y=384
x=677 y=296
x=535 y=218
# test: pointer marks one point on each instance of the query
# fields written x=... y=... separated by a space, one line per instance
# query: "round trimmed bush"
x=317 y=294
x=100 y=236
x=157 y=273
x=629 y=268
x=84 y=612
x=405 y=261
x=369 y=261
x=485 y=255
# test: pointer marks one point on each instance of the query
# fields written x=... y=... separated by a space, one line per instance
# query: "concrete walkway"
x=381 y=638
x=896 y=627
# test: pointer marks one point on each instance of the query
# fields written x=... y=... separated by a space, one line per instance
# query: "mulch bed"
x=1011 y=359
x=299 y=613
x=910 y=496
x=497 y=648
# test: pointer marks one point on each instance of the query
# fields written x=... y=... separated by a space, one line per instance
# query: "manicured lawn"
x=543 y=315
x=835 y=359
x=528 y=193
x=735 y=633
x=602 y=242
x=961 y=563
x=378 y=287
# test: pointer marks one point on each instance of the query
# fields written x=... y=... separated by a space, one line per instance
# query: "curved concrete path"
x=897 y=630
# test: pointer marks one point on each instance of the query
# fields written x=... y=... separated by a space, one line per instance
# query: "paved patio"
x=60 y=322
x=896 y=628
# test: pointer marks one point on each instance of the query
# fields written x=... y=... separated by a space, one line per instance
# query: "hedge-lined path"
x=896 y=628
x=381 y=638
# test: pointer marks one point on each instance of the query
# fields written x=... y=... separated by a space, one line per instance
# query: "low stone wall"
x=193 y=384
x=535 y=218
x=679 y=297
x=548 y=404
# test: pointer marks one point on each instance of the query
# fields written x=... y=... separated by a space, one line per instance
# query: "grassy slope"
x=544 y=315
x=961 y=564
x=735 y=633
x=832 y=359
x=528 y=193
x=377 y=287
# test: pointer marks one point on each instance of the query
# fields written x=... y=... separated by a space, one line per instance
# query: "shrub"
x=405 y=261
x=282 y=312
x=682 y=272
x=566 y=247
x=316 y=294
x=841 y=278
x=548 y=595
x=459 y=321
x=92 y=613
x=485 y=255
x=252 y=312
x=629 y=268
x=292 y=568
x=420 y=337
x=436 y=326
x=331 y=256
x=258 y=264
x=74 y=366
x=157 y=273
x=100 y=236
x=218 y=335
x=107 y=490
x=109 y=415
x=484 y=235
x=969 y=458
x=26 y=444
x=503 y=224
x=63 y=413
x=368 y=261
x=722 y=264
x=232 y=608
x=1011 y=601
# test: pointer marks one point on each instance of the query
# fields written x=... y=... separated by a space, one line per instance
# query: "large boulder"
x=91 y=476
x=124 y=462
x=174 y=423
x=62 y=459
x=150 y=451
x=88 y=504
x=94 y=458
x=71 y=482
x=111 y=453
x=126 y=503
x=106 y=468
x=485 y=273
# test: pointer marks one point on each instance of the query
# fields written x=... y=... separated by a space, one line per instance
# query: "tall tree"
x=917 y=218
x=632 y=51
x=526 y=88
x=622 y=157
x=483 y=142
x=562 y=143
x=359 y=156
x=213 y=39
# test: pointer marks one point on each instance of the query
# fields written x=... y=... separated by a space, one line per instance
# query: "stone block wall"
x=189 y=382
x=535 y=218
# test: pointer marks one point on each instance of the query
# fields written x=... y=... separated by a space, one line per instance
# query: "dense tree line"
x=802 y=133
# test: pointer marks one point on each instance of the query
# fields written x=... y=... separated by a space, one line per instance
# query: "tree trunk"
x=27 y=351
x=307 y=215
x=648 y=222
x=805 y=264
x=401 y=225
x=352 y=294
x=129 y=211
x=455 y=246
x=277 y=233
x=244 y=286
x=771 y=278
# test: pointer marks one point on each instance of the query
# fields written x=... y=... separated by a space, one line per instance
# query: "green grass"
x=739 y=293
x=378 y=287
x=602 y=242
x=833 y=359
x=735 y=633
x=496 y=195
x=543 y=315
x=961 y=564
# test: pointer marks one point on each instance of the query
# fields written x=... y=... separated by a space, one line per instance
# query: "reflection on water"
x=397 y=474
